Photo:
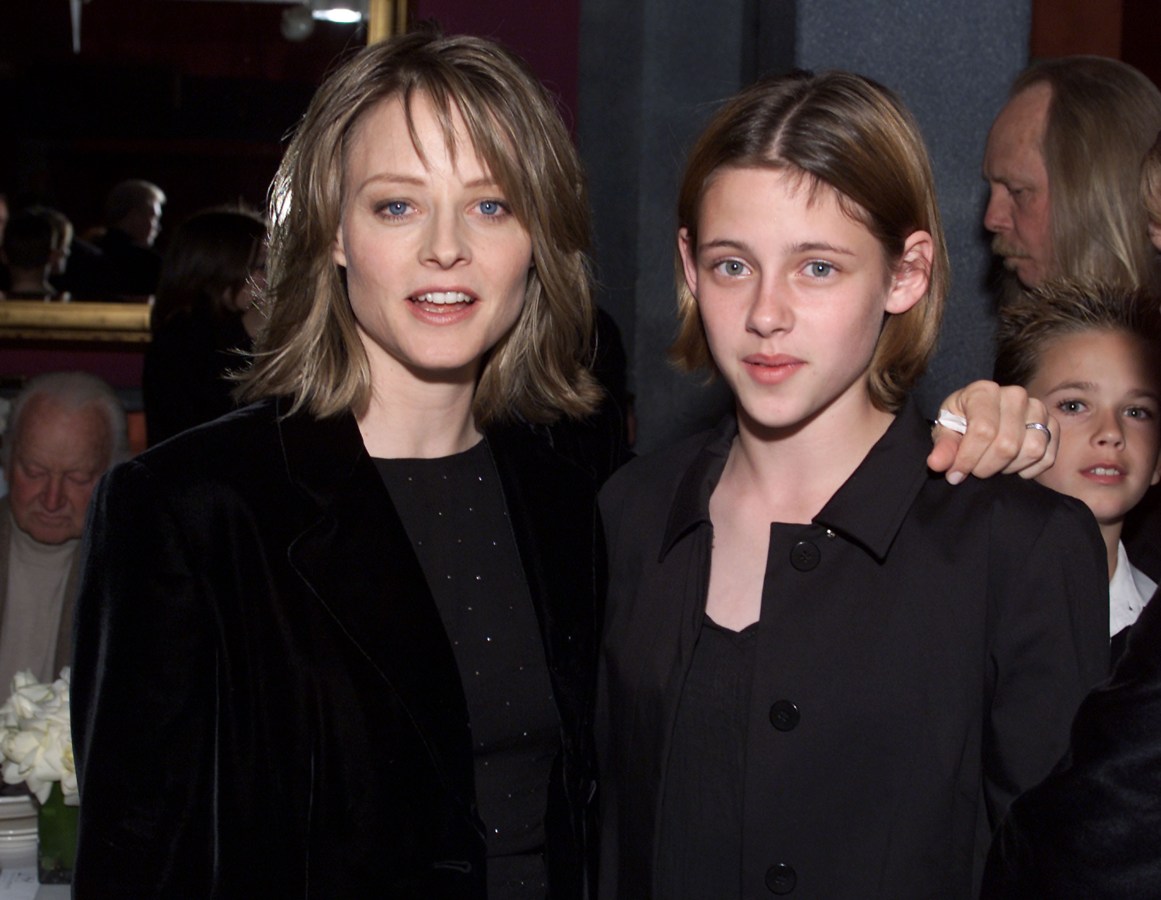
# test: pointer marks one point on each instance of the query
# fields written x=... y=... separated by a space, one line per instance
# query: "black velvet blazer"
x=265 y=702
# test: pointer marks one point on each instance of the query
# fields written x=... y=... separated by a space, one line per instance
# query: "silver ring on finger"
x=1039 y=426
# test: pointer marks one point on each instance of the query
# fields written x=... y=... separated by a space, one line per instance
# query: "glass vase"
x=56 y=849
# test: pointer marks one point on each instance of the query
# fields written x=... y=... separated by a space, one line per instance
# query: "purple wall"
x=544 y=32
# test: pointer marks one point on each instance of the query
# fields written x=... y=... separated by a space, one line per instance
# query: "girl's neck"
x=796 y=471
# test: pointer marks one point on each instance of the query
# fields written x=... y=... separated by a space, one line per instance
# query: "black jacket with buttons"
x=921 y=651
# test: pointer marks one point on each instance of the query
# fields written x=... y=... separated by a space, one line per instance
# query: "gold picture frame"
x=385 y=18
x=100 y=323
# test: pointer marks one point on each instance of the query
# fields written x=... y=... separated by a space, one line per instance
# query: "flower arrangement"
x=35 y=740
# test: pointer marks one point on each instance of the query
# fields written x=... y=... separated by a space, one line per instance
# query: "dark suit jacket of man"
x=64 y=632
x=265 y=701
x=1092 y=829
x=127 y=270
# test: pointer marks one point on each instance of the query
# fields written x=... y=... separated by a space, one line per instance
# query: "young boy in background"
x=1092 y=354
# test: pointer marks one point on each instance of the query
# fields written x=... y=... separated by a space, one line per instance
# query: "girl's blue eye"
x=819 y=269
x=732 y=267
x=396 y=208
x=491 y=207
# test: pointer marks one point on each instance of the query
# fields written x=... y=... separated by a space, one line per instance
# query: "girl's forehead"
x=794 y=184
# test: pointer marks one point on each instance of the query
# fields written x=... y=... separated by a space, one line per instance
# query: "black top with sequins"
x=454 y=511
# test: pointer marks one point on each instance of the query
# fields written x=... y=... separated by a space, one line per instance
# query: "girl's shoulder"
x=651 y=484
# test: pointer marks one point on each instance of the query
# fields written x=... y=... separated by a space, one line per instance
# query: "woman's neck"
x=435 y=425
x=408 y=417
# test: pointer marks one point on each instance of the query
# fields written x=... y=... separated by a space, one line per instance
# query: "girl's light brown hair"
x=845 y=132
x=310 y=348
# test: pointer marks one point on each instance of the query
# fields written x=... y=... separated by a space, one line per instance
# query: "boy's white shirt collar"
x=1129 y=590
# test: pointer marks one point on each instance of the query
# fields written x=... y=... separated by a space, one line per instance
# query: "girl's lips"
x=772 y=369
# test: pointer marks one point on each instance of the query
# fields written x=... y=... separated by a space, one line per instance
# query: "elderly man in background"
x=1062 y=162
x=64 y=432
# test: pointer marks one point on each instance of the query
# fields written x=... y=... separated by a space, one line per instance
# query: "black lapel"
x=357 y=560
x=551 y=504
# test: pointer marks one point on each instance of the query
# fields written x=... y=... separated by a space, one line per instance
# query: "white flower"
x=35 y=739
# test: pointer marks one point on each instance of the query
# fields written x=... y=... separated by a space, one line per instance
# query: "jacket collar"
x=321 y=455
x=868 y=509
x=872 y=505
x=691 y=502
x=356 y=558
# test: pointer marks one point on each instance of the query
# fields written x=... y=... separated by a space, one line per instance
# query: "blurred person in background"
x=205 y=317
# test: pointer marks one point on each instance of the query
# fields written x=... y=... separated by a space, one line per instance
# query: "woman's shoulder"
x=246 y=451
x=256 y=461
x=217 y=442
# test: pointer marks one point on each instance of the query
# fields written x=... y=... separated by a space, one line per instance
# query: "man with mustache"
x=1062 y=164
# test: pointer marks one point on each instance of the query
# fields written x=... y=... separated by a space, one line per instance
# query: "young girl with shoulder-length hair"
x=826 y=670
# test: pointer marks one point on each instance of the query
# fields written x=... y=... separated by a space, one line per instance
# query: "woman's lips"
x=442 y=307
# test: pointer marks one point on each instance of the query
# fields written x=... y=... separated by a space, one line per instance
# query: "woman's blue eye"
x=733 y=267
x=491 y=207
x=396 y=208
x=820 y=269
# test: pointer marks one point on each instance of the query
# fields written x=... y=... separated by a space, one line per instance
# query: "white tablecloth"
x=20 y=884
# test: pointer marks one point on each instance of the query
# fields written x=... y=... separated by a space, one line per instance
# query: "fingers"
x=943 y=454
x=997 y=437
x=1051 y=442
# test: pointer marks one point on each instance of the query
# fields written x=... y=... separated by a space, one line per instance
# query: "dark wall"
x=195 y=96
x=544 y=32
x=198 y=96
x=652 y=71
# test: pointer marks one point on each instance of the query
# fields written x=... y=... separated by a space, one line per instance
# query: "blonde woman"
x=340 y=643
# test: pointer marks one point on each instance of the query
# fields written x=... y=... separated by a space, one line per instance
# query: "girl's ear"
x=338 y=254
x=912 y=273
x=688 y=260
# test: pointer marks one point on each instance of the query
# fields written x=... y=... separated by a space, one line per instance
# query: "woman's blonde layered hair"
x=845 y=132
x=310 y=349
